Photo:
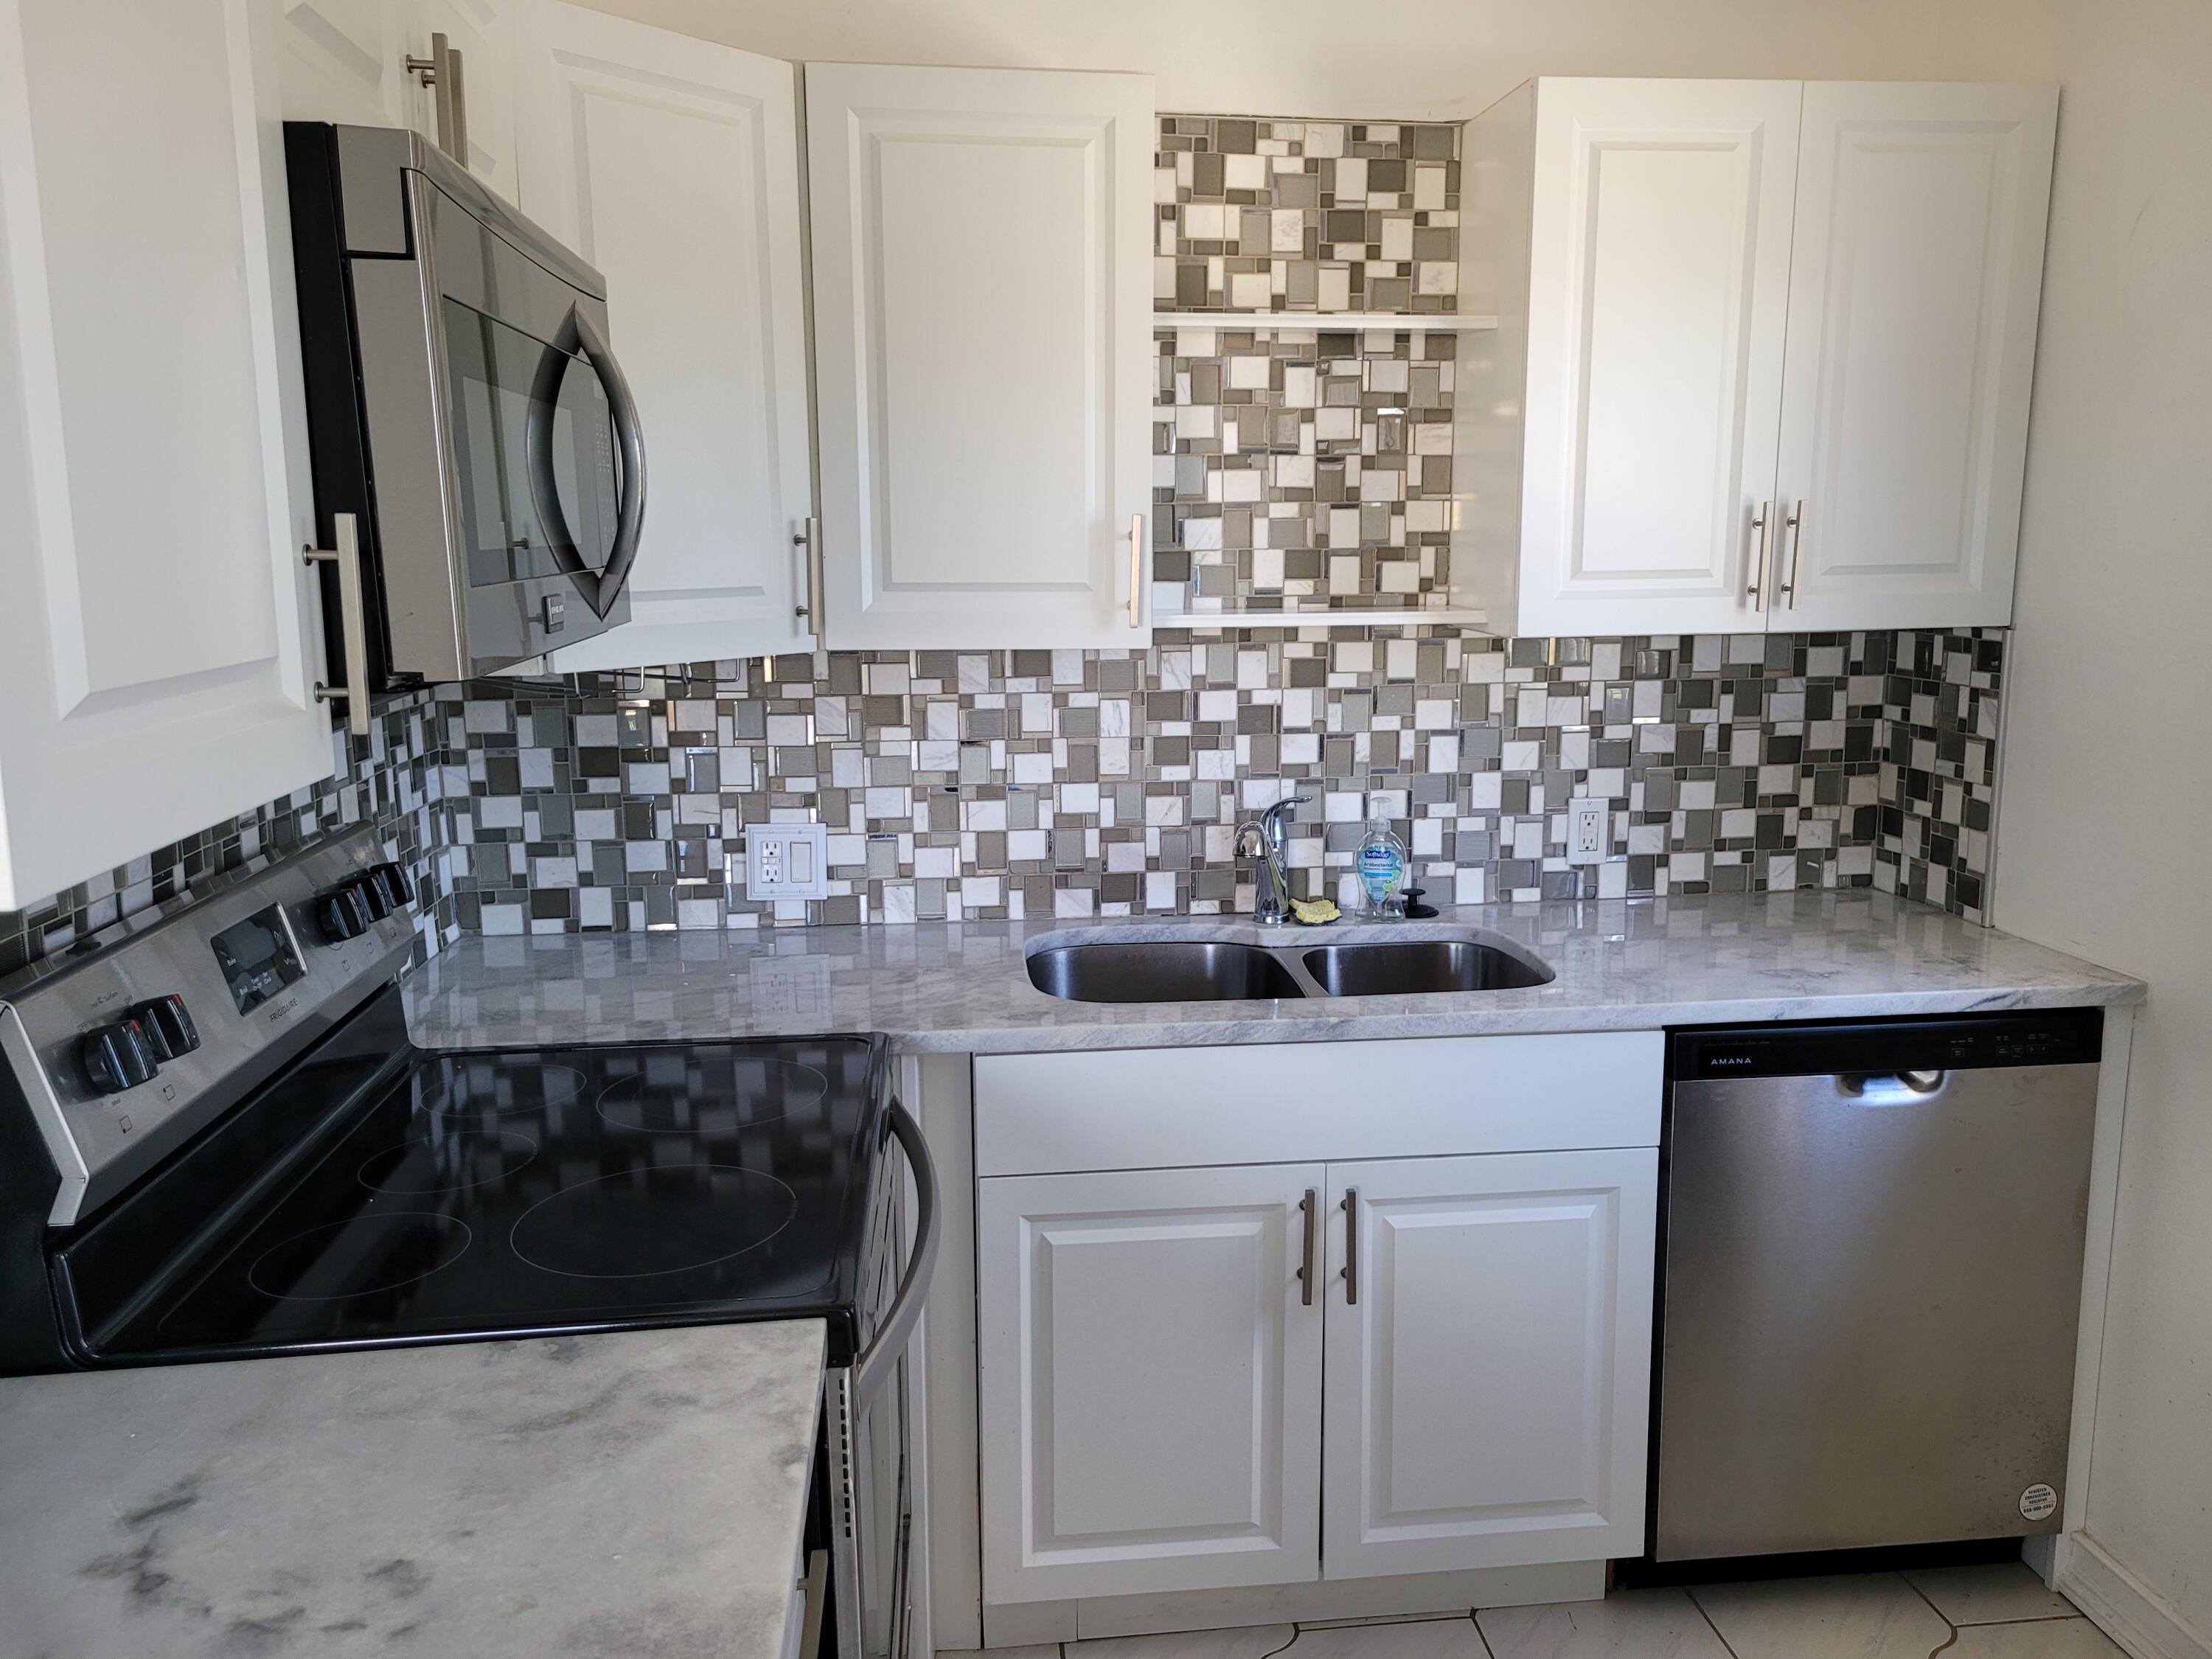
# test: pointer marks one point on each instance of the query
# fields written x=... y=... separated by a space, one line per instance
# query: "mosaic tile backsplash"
x=1071 y=784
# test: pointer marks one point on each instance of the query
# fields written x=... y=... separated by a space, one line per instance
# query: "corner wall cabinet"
x=1282 y=1361
x=1763 y=357
x=158 y=643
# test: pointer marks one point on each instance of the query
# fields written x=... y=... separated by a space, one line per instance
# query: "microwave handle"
x=629 y=520
x=876 y=1360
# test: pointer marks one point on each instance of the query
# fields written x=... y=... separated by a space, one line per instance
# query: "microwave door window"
x=500 y=379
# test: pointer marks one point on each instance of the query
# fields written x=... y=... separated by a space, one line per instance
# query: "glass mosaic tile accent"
x=1070 y=783
x=1305 y=470
x=1265 y=215
x=392 y=778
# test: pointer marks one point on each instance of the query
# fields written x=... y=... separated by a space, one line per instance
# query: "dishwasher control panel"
x=2068 y=1036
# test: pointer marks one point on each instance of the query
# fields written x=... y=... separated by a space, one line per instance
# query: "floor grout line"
x=1690 y=1592
x=1949 y=1642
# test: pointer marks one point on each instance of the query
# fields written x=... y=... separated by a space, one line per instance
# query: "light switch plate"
x=1589 y=831
x=787 y=861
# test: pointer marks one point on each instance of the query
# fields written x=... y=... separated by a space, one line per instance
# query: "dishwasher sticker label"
x=2039 y=1503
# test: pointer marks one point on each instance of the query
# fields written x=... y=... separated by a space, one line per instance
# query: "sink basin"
x=1163 y=970
x=1405 y=967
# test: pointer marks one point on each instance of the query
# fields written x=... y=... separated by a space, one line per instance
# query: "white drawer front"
x=1147 y=1109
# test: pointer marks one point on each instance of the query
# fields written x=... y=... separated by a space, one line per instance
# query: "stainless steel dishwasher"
x=1871 y=1281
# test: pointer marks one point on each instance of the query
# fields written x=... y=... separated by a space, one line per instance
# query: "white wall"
x=1410 y=60
x=2109 y=727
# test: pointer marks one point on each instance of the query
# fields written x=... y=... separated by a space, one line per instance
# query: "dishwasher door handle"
x=1891 y=1088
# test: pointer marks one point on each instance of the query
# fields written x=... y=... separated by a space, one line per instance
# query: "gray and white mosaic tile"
x=1262 y=215
x=1068 y=783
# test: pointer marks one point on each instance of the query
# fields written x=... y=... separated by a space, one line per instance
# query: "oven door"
x=871 y=1409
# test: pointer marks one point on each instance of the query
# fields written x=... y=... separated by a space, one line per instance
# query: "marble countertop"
x=630 y=1493
x=962 y=987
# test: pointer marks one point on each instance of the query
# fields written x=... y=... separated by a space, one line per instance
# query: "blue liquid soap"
x=1381 y=866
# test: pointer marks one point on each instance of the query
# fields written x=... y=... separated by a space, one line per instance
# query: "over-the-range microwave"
x=463 y=406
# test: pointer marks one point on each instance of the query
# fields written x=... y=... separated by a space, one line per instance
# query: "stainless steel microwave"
x=463 y=405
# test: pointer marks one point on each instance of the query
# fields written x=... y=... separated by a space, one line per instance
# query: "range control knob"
x=392 y=878
x=118 y=1057
x=374 y=896
x=342 y=913
x=166 y=1025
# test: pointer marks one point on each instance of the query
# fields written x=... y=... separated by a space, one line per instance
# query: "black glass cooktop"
x=556 y=1190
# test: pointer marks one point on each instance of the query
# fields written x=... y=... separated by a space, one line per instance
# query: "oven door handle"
x=876 y=1360
x=582 y=336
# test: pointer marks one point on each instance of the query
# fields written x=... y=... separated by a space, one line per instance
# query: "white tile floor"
x=2000 y=1612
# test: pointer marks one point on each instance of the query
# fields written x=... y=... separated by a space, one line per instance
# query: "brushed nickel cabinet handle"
x=1762 y=521
x=809 y=536
x=1793 y=530
x=1136 y=570
x=441 y=72
x=1352 y=1247
x=353 y=620
x=1309 y=1207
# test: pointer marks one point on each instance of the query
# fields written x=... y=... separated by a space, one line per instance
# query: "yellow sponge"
x=1314 y=913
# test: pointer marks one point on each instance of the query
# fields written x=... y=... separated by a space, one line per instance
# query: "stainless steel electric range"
x=216 y=1142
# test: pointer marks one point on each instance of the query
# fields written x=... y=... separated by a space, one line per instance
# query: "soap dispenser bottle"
x=1381 y=867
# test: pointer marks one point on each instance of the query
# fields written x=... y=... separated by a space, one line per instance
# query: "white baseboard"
x=2122 y=1605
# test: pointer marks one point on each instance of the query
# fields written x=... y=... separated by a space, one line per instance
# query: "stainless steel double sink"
x=1187 y=969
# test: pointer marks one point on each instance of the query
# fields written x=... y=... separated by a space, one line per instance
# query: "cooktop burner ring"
x=456 y=1146
x=301 y=1250
x=563 y=1085
x=637 y=1103
x=647 y=1215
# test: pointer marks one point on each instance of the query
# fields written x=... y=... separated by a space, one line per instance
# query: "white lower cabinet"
x=1185 y=1386
x=1151 y=1382
x=1488 y=1371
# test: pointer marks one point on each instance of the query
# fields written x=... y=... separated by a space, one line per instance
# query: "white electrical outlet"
x=787 y=861
x=1589 y=832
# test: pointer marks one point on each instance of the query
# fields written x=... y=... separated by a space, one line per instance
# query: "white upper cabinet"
x=1914 y=284
x=1643 y=306
x=156 y=663
x=1151 y=1382
x=1721 y=300
x=982 y=312
x=671 y=164
x=1489 y=1366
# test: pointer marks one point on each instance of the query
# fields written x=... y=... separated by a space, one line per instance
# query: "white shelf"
x=1475 y=619
x=1333 y=322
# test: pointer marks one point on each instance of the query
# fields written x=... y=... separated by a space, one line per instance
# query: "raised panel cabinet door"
x=1915 y=283
x=345 y=61
x=671 y=164
x=1149 y=1382
x=983 y=348
x=1658 y=278
x=1489 y=1360
x=158 y=646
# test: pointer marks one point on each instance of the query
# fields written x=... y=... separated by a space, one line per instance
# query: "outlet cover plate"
x=787 y=861
x=1590 y=830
